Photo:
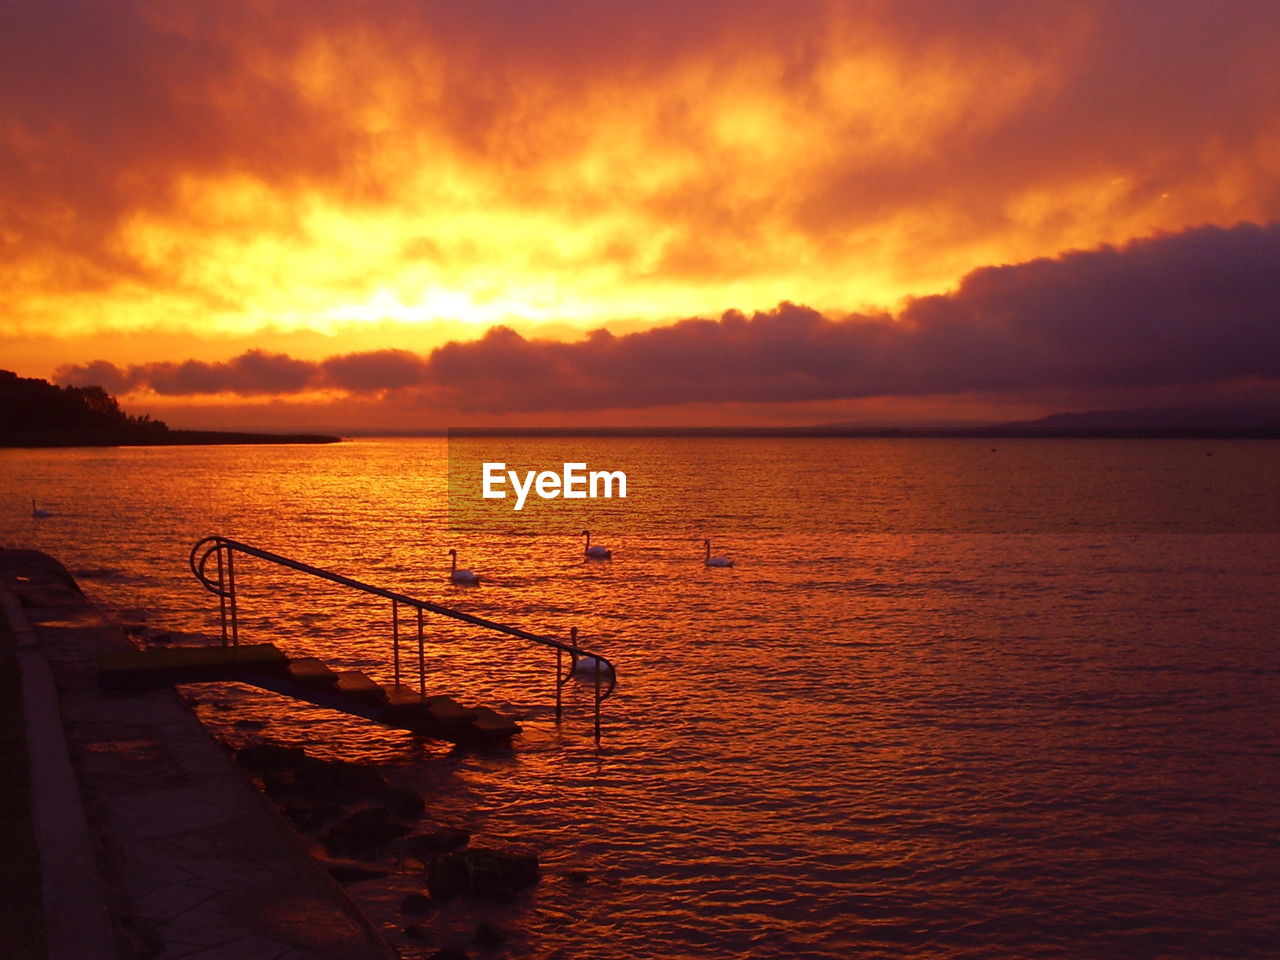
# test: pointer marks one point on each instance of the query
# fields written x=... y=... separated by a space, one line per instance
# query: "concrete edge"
x=272 y=813
x=77 y=922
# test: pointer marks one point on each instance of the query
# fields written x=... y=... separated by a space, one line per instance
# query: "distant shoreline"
x=166 y=438
x=995 y=432
x=186 y=438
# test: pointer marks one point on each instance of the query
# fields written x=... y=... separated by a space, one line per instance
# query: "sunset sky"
x=404 y=214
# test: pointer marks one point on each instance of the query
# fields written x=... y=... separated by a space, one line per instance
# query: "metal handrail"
x=224 y=587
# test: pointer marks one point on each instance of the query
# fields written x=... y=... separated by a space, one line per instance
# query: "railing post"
x=235 y=615
x=573 y=642
x=422 y=663
x=597 y=659
x=395 y=639
x=222 y=594
x=559 y=680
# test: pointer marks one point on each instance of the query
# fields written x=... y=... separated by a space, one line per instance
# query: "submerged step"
x=490 y=723
x=185 y=664
x=360 y=686
x=311 y=680
x=311 y=672
x=446 y=710
x=443 y=714
x=402 y=698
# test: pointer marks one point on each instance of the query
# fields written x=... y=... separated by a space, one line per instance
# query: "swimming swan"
x=586 y=664
x=595 y=553
x=37 y=512
x=711 y=561
x=464 y=577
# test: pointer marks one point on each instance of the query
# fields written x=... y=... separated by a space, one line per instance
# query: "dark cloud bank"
x=1195 y=308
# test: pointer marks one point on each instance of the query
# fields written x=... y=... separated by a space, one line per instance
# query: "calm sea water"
x=952 y=701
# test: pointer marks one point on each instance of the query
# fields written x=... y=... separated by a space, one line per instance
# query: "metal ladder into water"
x=353 y=691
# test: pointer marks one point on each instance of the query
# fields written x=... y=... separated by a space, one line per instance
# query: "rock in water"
x=401 y=801
x=488 y=936
x=417 y=904
x=427 y=846
x=363 y=832
x=269 y=756
x=420 y=932
x=346 y=873
x=482 y=872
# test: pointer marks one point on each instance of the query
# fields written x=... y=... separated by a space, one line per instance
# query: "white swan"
x=587 y=664
x=464 y=577
x=39 y=513
x=711 y=561
x=597 y=552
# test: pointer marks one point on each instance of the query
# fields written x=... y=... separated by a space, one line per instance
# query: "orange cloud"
x=1174 y=314
x=233 y=165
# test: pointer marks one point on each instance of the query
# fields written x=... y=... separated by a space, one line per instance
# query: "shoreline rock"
x=363 y=828
x=483 y=872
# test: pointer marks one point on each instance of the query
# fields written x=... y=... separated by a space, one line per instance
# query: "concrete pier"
x=153 y=845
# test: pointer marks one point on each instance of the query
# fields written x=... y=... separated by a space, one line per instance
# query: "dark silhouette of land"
x=1158 y=421
x=36 y=413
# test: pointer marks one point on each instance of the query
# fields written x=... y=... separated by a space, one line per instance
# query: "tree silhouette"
x=30 y=406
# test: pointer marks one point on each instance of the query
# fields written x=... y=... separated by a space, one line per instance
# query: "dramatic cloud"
x=1169 y=311
x=375 y=370
x=253 y=373
x=232 y=165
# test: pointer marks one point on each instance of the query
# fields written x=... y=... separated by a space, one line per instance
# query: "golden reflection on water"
x=946 y=692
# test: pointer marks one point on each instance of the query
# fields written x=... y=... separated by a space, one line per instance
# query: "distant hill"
x=37 y=413
x=1153 y=422
x=1157 y=420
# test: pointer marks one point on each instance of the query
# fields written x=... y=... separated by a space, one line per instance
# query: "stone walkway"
x=153 y=845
